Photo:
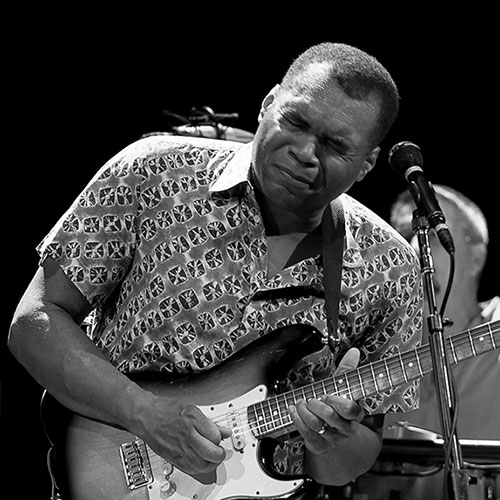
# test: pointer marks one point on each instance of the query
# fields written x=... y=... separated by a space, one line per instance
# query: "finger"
x=225 y=432
x=208 y=439
x=212 y=453
x=349 y=361
x=298 y=422
x=345 y=408
x=327 y=414
x=311 y=420
x=205 y=426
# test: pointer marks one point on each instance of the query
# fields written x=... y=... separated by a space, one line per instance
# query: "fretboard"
x=271 y=417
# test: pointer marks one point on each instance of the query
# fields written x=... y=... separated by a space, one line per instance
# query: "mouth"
x=296 y=177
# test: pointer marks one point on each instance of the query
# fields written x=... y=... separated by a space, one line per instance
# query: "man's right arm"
x=45 y=337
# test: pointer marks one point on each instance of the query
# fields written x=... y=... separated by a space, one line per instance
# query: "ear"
x=368 y=163
x=478 y=258
x=268 y=100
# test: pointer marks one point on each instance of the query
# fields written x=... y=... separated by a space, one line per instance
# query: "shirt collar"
x=236 y=171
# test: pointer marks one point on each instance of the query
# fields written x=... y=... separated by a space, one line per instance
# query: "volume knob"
x=167 y=489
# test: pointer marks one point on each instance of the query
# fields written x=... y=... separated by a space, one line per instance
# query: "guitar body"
x=97 y=461
x=96 y=470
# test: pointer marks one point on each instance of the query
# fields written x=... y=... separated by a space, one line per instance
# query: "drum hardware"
x=203 y=122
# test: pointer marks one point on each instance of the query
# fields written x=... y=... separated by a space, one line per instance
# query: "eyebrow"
x=298 y=114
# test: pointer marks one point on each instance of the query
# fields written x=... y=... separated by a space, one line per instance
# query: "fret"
x=273 y=413
x=417 y=357
x=347 y=386
x=402 y=368
x=304 y=395
x=361 y=383
x=268 y=416
x=453 y=353
x=314 y=392
x=381 y=376
x=323 y=385
x=374 y=378
x=287 y=417
x=252 y=418
x=289 y=400
x=426 y=359
x=472 y=344
x=258 y=418
x=281 y=417
x=367 y=375
x=388 y=374
x=410 y=362
x=490 y=331
x=336 y=389
x=481 y=343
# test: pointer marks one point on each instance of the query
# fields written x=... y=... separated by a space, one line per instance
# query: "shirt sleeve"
x=95 y=240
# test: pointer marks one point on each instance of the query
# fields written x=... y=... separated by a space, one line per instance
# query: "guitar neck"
x=271 y=417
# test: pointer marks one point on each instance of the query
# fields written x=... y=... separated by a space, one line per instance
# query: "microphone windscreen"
x=404 y=155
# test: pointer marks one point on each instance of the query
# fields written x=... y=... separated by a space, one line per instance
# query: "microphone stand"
x=457 y=475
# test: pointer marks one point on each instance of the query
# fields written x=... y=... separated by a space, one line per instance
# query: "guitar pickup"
x=238 y=435
x=136 y=464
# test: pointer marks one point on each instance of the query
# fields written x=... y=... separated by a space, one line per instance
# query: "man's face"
x=401 y=219
x=312 y=146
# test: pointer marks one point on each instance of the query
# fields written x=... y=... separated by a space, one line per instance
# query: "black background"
x=78 y=87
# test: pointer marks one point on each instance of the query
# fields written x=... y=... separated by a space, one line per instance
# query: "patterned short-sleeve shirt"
x=167 y=244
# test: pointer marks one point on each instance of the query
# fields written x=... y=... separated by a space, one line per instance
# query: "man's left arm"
x=341 y=441
x=341 y=454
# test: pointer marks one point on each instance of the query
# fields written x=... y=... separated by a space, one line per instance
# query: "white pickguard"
x=239 y=476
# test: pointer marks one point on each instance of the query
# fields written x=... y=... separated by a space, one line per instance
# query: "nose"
x=304 y=150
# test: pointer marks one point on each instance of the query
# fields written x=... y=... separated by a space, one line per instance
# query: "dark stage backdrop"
x=78 y=94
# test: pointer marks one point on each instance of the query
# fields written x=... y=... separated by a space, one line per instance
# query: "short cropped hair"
x=357 y=73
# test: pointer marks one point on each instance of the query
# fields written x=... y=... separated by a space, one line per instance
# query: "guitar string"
x=394 y=364
x=278 y=420
x=457 y=344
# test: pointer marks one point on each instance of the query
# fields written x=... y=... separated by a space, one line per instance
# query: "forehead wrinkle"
x=314 y=94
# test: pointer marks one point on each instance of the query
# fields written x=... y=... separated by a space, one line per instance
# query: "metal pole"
x=458 y=477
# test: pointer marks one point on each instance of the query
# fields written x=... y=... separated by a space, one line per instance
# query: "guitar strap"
x=333 y=227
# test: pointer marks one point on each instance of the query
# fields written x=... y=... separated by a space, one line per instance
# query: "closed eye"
x=337 y=145
x=297 y=122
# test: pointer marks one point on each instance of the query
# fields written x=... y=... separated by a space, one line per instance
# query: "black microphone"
x=406 y=159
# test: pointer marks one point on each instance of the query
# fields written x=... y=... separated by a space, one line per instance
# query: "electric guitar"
x=104 y=462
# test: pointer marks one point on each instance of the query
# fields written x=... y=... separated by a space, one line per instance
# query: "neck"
x=279 y=221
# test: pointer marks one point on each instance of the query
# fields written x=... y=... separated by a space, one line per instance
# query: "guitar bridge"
x=136 y=464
